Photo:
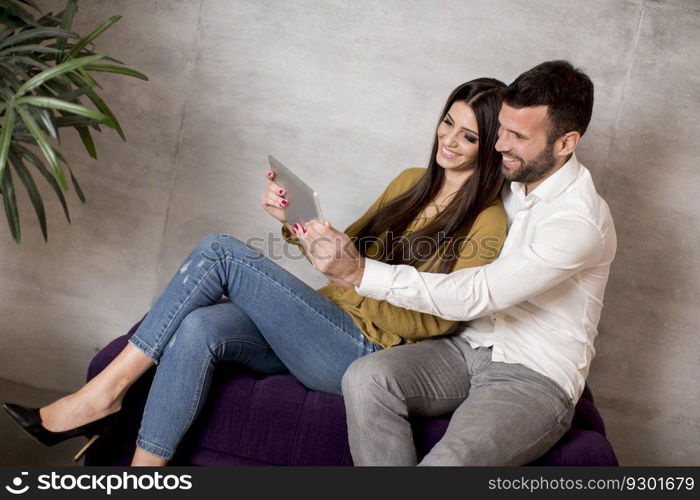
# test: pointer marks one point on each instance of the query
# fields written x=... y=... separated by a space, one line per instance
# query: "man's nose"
x=502 y=144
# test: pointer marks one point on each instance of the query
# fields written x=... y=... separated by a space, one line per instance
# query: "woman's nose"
x=451 y=138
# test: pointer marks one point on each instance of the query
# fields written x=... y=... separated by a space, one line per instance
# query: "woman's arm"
x=397 y=186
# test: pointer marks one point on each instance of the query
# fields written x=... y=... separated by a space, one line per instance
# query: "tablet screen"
x=303 y=201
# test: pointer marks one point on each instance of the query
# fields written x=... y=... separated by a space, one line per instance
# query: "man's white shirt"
x=539 y=303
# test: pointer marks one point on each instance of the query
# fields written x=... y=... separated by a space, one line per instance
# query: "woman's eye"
x=470 y=139
x=447 y=121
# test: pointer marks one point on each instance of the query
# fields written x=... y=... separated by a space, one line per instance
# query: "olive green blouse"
x=386 y=324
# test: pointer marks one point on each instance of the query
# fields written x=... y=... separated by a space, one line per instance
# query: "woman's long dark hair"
x=446 y=231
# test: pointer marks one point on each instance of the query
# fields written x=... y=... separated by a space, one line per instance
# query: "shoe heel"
x=82 y=450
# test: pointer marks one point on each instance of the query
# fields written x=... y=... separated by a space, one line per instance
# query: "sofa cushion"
x=255 y=419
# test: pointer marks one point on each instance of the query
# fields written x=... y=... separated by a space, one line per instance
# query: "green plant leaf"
x=55 y=71
x=29 y=61
x=72 y=95
x=83 y=42
x=66 y=22
x=18 y=11
x=77 y=109
x=31 y=3
x=111 y=68
x=36 y=34
x=32 y=191
x=33 y=48
x=8 y=126
x=44 y=117
x=89 y=79
x=78 y=191
x=89 y=144
x=36 y=161
x=49 y=20
x=6 y=33
x=102 y=106
x=72 y=121
x=10 y=204
x=44 y=145
x=11 y=79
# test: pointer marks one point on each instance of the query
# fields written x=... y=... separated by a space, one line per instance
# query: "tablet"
x=303 y=201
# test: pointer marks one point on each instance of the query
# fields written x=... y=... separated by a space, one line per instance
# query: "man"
x=513 y=375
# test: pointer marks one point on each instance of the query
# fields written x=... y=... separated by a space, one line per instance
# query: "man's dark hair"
x=567 y=91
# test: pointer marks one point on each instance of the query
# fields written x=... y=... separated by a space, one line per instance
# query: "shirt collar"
x=553 y=185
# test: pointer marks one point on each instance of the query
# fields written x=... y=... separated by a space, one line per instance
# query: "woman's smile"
x=447 y=154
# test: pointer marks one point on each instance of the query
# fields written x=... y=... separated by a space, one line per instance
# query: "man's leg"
x=513 y=415
x=382 y=389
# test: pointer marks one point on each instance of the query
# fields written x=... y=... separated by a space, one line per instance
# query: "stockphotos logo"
x=17 y=488
x=107 y=483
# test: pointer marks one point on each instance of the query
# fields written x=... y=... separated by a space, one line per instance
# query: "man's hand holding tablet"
x=331 y=251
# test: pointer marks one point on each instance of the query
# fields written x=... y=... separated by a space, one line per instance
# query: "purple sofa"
x=255 y=419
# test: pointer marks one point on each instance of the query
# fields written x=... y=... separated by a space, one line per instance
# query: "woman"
x=439 y=219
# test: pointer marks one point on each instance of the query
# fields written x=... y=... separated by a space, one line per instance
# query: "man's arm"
x=563 y=246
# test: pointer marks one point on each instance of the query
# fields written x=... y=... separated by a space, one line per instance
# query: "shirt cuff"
x=376 y=280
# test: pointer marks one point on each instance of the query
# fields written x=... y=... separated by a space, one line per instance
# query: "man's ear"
x=567 y=143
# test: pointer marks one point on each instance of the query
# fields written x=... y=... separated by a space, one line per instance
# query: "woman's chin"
x=452 y=165
x=449 y=164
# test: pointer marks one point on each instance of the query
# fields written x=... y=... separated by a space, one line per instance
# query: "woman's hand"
x=272 y=198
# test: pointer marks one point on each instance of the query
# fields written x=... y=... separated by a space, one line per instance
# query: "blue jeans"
x=273 y=324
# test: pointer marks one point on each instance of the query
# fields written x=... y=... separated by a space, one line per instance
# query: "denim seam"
x=155 y=449
x=143 y=346
x=242 y=340
x=197 y=397
x=298 y=298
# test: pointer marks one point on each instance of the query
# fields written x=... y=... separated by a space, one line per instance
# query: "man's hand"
x=332 y=252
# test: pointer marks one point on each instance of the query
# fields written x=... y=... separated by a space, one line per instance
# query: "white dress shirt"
x=539 y=303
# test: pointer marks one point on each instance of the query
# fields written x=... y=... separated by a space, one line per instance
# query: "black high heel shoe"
x=29 y=420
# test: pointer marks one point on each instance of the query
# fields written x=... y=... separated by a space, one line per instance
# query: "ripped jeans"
x=274 y=323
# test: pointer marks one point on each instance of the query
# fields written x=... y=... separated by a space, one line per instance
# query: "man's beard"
x=534 y=169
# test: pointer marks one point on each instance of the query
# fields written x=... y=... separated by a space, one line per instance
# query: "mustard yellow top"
x=386 y=324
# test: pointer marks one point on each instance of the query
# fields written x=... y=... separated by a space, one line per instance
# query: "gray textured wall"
x=347 y=92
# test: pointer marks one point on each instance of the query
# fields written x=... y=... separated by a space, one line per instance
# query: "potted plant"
x=47 y=84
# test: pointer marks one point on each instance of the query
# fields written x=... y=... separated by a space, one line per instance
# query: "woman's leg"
x=315 y=339
x=312 y=336
x=207 y=336
x=101 y=396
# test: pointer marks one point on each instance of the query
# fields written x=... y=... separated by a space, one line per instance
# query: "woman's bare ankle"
x=77 y=409
x=142 y=458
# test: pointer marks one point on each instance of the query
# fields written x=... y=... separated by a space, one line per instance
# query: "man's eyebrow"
x=463 y=128
x=515 y=132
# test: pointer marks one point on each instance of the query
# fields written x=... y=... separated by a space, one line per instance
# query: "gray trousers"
x=504 y=413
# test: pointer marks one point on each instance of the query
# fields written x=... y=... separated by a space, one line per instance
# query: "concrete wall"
x=348 y=93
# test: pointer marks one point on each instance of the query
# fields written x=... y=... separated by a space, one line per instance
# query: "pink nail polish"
x=281 y=191
x=284 y=203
